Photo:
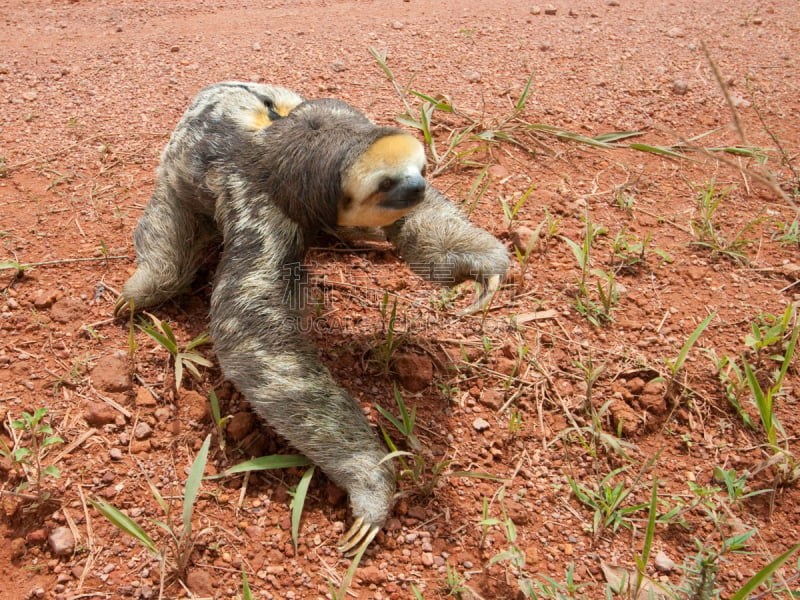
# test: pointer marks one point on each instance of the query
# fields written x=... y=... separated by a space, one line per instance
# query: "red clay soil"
x=555 y=395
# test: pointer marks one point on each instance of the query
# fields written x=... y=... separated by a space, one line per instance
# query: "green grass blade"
x=659 y=150
x=391 y=418
x=577 y=250
x=214 y=401
x=691 y=340
x=198 y=341
x=124 y=523
x=193 y=486
x=409 y=121
x=615 y=136
x=763 y=574
x=651 y=523
x=582 y=139
x=160 y=338
x=246 y=593
x=523 y=99
x=787 y=358
x=381 y=60
x=275 y=461
x=437 y=104
x=763 y=402
x=299 y=501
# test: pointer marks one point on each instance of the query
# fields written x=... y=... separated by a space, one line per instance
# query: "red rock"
x=46 y=298
x=144 y=398
x=17 y=548
x=372 y=574
x=98 y=414
x=111 y=373
x=240 y=425
x=200 y=583
x=62 y=542
x=414 y=371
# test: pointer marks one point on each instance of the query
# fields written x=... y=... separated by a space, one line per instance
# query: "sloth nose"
x=412 y=188
x=404 y=193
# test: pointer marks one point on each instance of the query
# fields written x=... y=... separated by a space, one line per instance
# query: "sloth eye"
x=386 y=184
x=269 y=103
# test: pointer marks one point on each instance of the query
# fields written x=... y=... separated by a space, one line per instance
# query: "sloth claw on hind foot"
x=483 y=300
x=357 y=538
x=122 y=305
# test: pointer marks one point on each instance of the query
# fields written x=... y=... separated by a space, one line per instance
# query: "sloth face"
x=384 y=184
x=274 y=106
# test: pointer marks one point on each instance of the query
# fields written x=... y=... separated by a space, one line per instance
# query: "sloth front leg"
x=257 y=321
x=170 y=240
x=442 y=246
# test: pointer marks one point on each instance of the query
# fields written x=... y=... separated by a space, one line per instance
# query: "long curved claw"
x=122 y=305
x=485 y=298
x=357 y=538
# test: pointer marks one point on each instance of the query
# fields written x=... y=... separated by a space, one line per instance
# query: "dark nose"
x=406 y=193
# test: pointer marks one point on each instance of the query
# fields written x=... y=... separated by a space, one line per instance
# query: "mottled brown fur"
x=268 y=191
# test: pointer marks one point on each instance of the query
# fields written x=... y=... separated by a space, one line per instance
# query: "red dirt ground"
x=91 y=91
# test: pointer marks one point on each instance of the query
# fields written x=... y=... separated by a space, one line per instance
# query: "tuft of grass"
x=383 y=350
x=176 y=553
x=183 y=358
x=707 y=232
x=219 y=420
x=675 y=366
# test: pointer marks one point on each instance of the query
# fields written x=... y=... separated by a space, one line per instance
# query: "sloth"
x=263 y=171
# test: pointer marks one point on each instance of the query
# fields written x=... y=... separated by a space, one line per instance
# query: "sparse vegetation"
x=630 y=393
x=174 y=553
x=182 y=358
x=27 y=452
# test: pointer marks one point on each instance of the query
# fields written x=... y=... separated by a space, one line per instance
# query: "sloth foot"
x=123 y=305
x=481 y=303
x=357 y=538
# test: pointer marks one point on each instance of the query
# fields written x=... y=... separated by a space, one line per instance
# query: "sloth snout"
x=406 y=193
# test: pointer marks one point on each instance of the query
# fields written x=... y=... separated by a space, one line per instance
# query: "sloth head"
x=276 y=103
x=384 y=183
x=326 y=164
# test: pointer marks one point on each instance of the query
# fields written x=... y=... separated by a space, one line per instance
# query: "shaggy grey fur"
x=268 y=191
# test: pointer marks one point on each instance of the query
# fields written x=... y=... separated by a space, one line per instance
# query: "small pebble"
x=664 y=563
x=480 y=424
x=61 y=541
x=142 y=430
x=680 y=87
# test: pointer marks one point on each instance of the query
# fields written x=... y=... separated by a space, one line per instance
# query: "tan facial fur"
x=393 y=156
x=252 y=114
x=260 y=117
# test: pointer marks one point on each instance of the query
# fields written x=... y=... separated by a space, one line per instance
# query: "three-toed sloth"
x=269 y=171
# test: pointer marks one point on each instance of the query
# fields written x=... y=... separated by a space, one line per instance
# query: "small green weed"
x=707 y=232
x=176 y=554
x=675 y=366
x=28 y=460
x=384 y=349
x=629 y=253
x=219 y=420
x=609 y=502
x=511 y=211
x=186 y=358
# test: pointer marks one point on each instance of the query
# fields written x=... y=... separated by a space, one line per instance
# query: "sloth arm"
x=440 y=244
x=257 y=318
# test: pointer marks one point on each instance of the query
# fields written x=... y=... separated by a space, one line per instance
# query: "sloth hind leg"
x=171 y=241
